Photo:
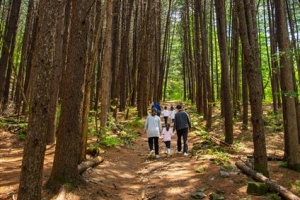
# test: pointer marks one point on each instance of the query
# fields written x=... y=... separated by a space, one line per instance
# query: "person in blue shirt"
x=157 y=106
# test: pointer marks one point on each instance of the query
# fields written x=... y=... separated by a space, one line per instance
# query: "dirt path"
x=129 y=174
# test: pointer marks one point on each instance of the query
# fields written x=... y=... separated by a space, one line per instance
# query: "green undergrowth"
x=117 y=132
x=218 y=154
x=14 y=125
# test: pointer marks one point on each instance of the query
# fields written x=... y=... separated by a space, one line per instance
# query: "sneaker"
x=185 y=154
x=151 y=153
x=156 y=156
x=178 y=151
x=169 y=151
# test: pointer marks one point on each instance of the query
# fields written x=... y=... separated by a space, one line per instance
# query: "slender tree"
x=226 y=97
x=107 y=70
x=287 y=88
x=125 y=46
x=248 y=34
x=8 y=50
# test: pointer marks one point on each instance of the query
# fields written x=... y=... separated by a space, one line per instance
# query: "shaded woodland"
x=64 y=61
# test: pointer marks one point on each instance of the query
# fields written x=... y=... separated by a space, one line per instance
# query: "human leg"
x=179 y=135
x=150 y=143
x=185 y=140
x=168 y=146
x=156 y=146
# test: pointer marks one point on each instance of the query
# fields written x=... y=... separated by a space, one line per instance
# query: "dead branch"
x=271 y=158
x=92 y=162
x=271 y=184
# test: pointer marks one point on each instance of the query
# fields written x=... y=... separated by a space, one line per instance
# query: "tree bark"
x=271 y=184
x=221 y=25
x=287 y=88
x=35 y=146
x=7 y=48
x=106 y=71
x=82 y=167
x=58 y=66
x=69 y=134
x=248 y=34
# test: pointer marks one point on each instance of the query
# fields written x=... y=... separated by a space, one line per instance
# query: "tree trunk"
x=20 y=90
x=248 y=34
x=34 y=150
x=7 y=48
x=69 y=134
x=106 y=71
x=124 y=62
x=115 y=58
x=221 y=25
x=58 y=66
x=287 y=88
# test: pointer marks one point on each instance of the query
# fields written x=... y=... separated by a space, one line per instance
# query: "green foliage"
x=200 y=169
x=228 y=166
x=238 y=145
x=115 y=133
x=111 y=141
x=274 y=121
x=222 y=158
x=22 y=136
x=136 y=123
x=274 y=197
x=127 y=138
x=23 y=126
x=295 y=185
x=283 y=164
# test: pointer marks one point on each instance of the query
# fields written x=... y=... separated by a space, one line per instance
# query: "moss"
x=257 y=188
x=261 y=169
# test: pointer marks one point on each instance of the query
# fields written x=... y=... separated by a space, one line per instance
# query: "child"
x=167 y=134
x=166 y=114
x=173 y=111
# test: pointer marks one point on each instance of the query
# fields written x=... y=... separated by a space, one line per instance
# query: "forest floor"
x=127 y=172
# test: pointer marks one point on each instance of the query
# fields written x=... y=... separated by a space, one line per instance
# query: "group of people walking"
x=153 y=127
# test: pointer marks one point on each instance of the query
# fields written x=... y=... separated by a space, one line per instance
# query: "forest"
x=74 y=71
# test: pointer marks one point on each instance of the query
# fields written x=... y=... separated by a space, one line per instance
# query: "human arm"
x=146 y=125
x=159 y=125
x=189 y=122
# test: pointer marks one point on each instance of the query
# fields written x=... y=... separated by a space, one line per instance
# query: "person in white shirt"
x=153 y=129
x=166 y=114
x=173 y=112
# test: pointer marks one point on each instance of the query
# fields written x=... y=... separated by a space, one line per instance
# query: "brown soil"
x=128 y=173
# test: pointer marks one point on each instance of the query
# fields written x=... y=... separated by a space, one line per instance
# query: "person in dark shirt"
x=182 y=125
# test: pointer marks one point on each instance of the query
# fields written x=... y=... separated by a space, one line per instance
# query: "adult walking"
x=182 y=125
x=153 y=129
x=157 y=106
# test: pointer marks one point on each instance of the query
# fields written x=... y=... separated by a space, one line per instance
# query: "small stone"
x=198 y=195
